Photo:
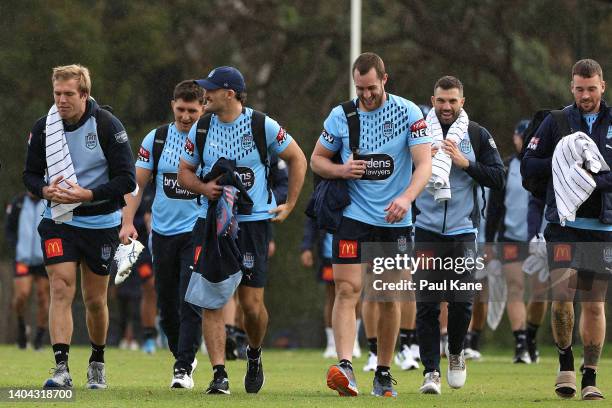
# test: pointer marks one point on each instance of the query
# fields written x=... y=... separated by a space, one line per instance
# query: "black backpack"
x=161 y=134
x=538 y=185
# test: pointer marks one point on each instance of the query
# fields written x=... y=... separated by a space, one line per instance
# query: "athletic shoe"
x=443 y=345
x=38 y=339
x=60 y=378
x=416 y=351
x=342 y=380
x=471 y=354
x=330 y=352
x=254 y=378
x=96 y=377
x=149 y=346
x=383 y=383
x=521 y=356
x=405 y=360
x=591 y=393
x=125 y=256
x=456 y=374
x=431 y=384
x=372 y=362
x=218 y=386
x=231 y=353
x=565 y=384
x=181 y=379
x=356 y=349
x=534 y=354
x=241 y=346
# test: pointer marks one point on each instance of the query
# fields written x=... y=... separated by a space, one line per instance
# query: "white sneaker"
x=356 y=349
x=456 y=374
x=125 y=257
x=372 y=362
x=471 y=354
x=405 y=360
x=431 y=384
x=330 y=352
x=416 y=351
x=182 y=379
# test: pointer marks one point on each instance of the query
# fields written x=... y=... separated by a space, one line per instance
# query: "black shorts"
x=22 y=269
x=253 y=241
x=587 y=251
x=66 y=243
x=510 y=250
x=347 y=242
x=144 y=265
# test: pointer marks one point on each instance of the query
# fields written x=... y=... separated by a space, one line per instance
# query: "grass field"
x=293 y=379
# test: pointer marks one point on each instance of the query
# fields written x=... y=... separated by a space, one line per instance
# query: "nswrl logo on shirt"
x=91 y=141
x=388 y=128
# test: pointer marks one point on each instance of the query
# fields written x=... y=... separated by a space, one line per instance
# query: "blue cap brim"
x=206 y=84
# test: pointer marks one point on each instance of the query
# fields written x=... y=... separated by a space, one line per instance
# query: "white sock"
x=329 y=332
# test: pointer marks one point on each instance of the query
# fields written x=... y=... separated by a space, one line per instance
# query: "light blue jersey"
x=387 y=134
x=515 y=202
x=235 y=141
x=174 y=209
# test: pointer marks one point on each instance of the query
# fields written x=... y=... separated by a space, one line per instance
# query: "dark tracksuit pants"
x=181 y=321
x=428 y=301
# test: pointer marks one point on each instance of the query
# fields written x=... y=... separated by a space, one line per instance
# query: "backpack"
x=538 y=185
x=161 y=134
x=258 y=127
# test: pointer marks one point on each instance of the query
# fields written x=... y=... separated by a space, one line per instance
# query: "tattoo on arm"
x=591 y=354
x=563 y=325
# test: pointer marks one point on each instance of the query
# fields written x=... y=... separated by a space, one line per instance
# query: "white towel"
x=572 y=183
x=439 y=183
x=537 y=261
x=59 y=162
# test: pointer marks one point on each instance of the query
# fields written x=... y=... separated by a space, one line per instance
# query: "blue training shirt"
x=174 y=209
x=235 y=141
x=386 y=135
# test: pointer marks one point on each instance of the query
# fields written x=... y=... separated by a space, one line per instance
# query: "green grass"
x=293 y=378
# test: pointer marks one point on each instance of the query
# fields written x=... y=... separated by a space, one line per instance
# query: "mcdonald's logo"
x=562 y=253
x=145 y=271
x=511 y=252
x=196 y=255
x=53 y=247
x=21 y=269
x=347 y=249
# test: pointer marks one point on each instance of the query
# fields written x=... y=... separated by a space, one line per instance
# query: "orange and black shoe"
x=342 y=379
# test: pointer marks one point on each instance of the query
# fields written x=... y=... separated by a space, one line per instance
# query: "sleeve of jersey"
x=277 y=138
x=418 y=128
x=190 y=151
x=329 y=138
x=145 y=152
x=36 y=163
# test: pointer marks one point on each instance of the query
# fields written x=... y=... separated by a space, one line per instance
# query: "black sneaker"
x=218 y=386
x=534 y=354
x=231 y=353
x=254 y=378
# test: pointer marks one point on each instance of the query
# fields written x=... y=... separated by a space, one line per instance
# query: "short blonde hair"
x=74 y=71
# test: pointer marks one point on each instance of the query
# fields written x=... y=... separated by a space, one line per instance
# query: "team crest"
x=248 y=260
x=106 y=251
x=247 y=142
x=607 y=255
x=91 y=141
x=465 y=146
x=402 y=244
x=388 y=128
x=609 y=135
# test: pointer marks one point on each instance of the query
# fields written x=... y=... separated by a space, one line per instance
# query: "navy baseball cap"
x=223 y=78
x=521 y=127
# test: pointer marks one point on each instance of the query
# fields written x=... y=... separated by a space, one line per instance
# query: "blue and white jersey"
x=174 y=209
x=235 y=141
x=387 y=134
x=515 y=203
x=326 y=245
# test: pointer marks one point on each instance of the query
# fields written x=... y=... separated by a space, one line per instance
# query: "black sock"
x=219 y=371
x=97 y=353
x=404 y=338
x=373 y=345
x=520 y=338
x=382 y=369
x=149 y=333
x=230 y=330
x=253 y=353
x=346 y=364
x=61 y=351
x=467 y=341
x=588 y=377
x=566 y=359
x=21 y=324
x=475 y=340
x=412 y=337
x=532 y=332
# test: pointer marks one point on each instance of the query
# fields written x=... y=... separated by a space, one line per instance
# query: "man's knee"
x=95 y=304
x=61 y=290
x=347 y=291
x=593 y=310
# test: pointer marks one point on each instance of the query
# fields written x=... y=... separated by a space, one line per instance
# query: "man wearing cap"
x=507 y=220
x=230 y=135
